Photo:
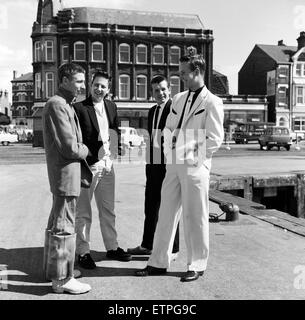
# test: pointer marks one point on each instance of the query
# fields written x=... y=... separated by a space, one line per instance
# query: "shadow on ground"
x=24 y=269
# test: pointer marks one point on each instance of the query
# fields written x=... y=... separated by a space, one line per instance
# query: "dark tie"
x=156 y=117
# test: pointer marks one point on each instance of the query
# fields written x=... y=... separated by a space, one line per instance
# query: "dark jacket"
x=155 y=155
x=90 y=129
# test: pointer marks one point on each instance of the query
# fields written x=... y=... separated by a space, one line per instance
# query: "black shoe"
x=118 y=254
x=86 y=261
x=191 y=276
x=150 y=271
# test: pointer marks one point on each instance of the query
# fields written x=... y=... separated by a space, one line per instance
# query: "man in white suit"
x=194 y=130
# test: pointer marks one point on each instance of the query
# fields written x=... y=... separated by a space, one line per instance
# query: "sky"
x=237 y=26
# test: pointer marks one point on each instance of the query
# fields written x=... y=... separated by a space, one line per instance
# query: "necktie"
x=156 y=117
x=155 y=127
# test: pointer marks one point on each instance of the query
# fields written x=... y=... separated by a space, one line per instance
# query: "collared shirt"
x=102 y=121
x=196 y=94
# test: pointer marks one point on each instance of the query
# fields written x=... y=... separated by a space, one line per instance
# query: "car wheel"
x=287 y=148
x=5 y=143
x=269 y=147
x=261 y=146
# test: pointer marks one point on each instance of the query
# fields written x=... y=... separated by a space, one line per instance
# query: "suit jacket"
x=205 y=119
x=156 y=155
x=63 y=145
x=90 y=129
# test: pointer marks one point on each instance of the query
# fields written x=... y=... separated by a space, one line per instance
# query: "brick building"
x=133 y=46
x=278 y=71
x=22 y=100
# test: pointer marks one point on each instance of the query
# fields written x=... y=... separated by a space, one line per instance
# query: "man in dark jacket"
x=155 y=167
x=99 y=123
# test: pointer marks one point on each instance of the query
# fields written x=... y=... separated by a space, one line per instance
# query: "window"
x=22 y=97
x=124 y=87
x=38 y=85
x=37 y=52
x=141 y=53
x=49 y=50
x=49 y=84
x=158 y=55
x=282 y=122
x=300 y=95
x=174 y=85
x=22 y=111
x=141 y=87
x=64 y=53
x=79 y=51
x=124 y=53
x=298 y=69
x=283 y=72
x=299 y=124
x=174 y=55
x=97 y=51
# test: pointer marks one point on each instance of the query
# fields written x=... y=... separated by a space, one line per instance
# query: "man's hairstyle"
x=158 y=79
x=68 y=70
x=195 y=61
x=100 y=73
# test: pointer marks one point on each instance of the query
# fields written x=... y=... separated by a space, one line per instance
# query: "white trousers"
x=187 y=186
x=103 y=191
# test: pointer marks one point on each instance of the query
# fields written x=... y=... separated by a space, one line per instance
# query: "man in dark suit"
x=155 y=167
x=99 y=123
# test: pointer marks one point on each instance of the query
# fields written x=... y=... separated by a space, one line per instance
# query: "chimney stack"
x=280 y=43
x=14 y=74
x=301 y=40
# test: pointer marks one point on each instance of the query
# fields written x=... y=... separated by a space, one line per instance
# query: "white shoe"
x=70 y=285
x=174 y=256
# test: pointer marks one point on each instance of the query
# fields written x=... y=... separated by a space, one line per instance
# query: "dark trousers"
x=155 y=174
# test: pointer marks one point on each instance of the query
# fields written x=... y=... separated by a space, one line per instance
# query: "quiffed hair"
x=100 y=73
x=158 y=79
x=195 y=61
x=68 y=70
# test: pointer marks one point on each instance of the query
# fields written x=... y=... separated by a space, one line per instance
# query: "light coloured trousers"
x=188 y=186
x=103 y=191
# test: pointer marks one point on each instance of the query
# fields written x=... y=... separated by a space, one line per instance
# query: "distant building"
x=5 y=111
x=22 y=100
x=132 y=46
x=278 y=71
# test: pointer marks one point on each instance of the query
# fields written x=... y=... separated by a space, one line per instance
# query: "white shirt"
x=102 y=121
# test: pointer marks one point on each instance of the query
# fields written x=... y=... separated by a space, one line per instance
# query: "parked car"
x=130 y=137
x=275 y=137
x=6 y=138
x=250 y=131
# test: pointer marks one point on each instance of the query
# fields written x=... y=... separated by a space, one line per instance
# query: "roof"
x=220 y=83
x=280 y=54
x=25 y=77
x=136 y=18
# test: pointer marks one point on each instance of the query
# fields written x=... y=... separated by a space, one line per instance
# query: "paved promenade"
x=249 y=259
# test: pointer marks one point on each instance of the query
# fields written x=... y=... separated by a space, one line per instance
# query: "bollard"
x=231 y=210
